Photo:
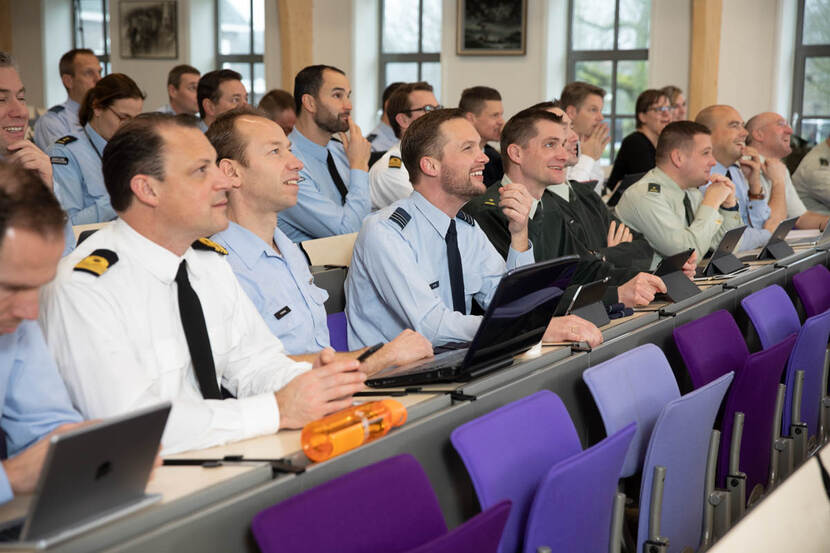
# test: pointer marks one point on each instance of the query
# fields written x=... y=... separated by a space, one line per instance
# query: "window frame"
x=802 y=53
x=418 y=57
x=615 y=56
x=250 y=58
x=104 y=58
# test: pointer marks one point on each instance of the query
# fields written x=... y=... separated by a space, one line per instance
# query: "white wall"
x=671 y=43
x=57 y=39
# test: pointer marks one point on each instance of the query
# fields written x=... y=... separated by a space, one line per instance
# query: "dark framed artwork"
x=149 y=30
x=491 y=28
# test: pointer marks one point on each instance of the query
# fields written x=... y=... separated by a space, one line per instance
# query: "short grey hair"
x=7 y=60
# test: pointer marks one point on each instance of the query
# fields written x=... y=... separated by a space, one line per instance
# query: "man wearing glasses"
x=388 y=178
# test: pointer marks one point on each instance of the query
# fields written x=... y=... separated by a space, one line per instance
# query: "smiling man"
x=146 y=311
x=565 y=218
x=421 y=262
x=334 y=193
x=254 y=153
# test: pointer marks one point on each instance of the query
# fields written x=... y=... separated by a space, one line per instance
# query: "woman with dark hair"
x=638 y=149
x=76 y=158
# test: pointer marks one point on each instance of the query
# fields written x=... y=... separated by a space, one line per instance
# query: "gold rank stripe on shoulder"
x=653 y=187
x=64 y=140
x=97 y=262
x=210 y=245
x=394 y=162
x=490 y=201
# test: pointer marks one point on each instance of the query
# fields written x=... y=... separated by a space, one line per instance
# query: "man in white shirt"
x=583 y=104
x=388 y=177
x=146 y=311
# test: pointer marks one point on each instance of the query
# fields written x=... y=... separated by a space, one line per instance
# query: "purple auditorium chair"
x=338 y=337
x=712 y=346
x=528 y=451
x=672 y=432
x=480 y=534
x=774 y=318
x=813 y=287
x=388 y=506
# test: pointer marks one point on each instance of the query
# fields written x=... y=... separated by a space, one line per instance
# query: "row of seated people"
x=169 y=188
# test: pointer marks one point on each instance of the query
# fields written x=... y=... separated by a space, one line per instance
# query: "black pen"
x=369 y=352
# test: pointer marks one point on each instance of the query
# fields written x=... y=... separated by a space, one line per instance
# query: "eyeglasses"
x=660 y=109
x=121 y=117
x=425 y=109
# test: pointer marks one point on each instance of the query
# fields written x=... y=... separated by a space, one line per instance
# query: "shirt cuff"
x=517 y=259
x=6 y=493
x=260 y=415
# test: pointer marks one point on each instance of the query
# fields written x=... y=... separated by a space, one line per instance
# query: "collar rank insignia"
x=209 y=245
x=653 y=187
x=822 y=161
x=490 y=202
x=394 y=162
x=64 y=140
x=97 y=262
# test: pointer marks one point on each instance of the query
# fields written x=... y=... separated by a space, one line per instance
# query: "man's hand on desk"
x=571 y=328
x=327 y=388
x=408 y=346
x=23 y=470
x=691 y=265
x=641 y=290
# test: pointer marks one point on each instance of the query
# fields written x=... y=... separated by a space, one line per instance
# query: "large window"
x=90 y=21
x=240 y=42
x=811 y=79
x=410 y=42
x=608 y=46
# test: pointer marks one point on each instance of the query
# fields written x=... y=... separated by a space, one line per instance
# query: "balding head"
x=728 y=132
x=770 y=134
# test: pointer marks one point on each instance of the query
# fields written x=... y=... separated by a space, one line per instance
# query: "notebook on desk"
x=90 y=477
x=515 y=321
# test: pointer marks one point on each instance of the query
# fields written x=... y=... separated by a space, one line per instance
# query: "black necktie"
x=195 y=332
x=687 y=205
x=729 y=175
x=335 y=176
x=456 y=272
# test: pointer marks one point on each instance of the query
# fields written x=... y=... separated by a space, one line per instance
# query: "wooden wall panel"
x=295 y=38
x=703 y=77
x=6 y=25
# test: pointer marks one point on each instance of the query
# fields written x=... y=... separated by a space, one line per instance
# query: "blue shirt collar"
x=437 y=218
x=299 y=141
x=247 y=245
x=72 y=106
x=96 y=138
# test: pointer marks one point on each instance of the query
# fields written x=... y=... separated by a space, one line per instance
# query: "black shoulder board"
x=335 y=139
x=66 y=139
x=467 y=218
x=209 y=245
x=59 y=160
x=57 y=109
x=97 y=262
x=400 y=217
x=371 y=137
x=653 y=187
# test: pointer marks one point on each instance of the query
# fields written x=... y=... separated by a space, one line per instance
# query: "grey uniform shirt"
x=812 y=179
x=654 y=206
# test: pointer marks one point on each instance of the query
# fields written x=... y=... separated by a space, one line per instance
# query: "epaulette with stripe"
x=400 y=217
x=57 y=109
x=208 y=245
x=97 y=262
x=64 y=140
x=467 y=218
x=371 y=137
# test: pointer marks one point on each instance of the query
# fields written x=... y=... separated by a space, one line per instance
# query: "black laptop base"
x=440 y=376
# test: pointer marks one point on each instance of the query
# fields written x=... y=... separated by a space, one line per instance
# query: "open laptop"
x=722 y=262
x=776 y=247
x=514 y=322
x=91 y=476
x=822 y=239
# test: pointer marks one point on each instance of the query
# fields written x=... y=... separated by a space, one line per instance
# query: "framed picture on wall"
x=491 y=27
x=148 y=30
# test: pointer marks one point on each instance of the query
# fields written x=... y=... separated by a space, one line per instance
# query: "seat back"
x=331 y=250
x=808 y=356
x=680 y=442
x=772 y=314
x=338 y=336
x=632 y=387
x=573 y=506
x=480 y=534
x=813 y=287
x=508 y=451
x=711 y=346
x=386 y=506
x=753 y=393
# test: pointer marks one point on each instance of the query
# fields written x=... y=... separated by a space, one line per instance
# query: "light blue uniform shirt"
x=382 y=137
x=753 y=212
x=281 y=287
x=34 y=397
x=59 y=121
x=399 y=277
x=319 y=211
x=79 y=182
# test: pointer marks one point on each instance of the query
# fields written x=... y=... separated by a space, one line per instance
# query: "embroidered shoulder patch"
x=467 y=218
x=209 y=245
x=64 y=140
x=823 y=161
x=654 y=187
x=97 y=262
x=400 y=217
x=394 y=162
